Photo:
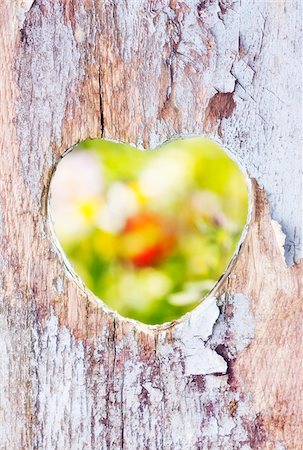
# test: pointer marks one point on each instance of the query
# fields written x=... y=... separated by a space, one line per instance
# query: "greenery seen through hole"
x=149 y=232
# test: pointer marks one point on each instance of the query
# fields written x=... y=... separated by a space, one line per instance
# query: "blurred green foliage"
x=155 y=232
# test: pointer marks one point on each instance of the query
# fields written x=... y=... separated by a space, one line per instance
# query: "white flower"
x=121 y=203
x=78 y=180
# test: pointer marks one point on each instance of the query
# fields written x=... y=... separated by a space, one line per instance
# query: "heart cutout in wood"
x=149 y=232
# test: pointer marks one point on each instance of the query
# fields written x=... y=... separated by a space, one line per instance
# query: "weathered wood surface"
x=74 y=375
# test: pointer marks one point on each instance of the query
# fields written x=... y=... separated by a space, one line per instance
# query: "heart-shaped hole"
x=149 y=232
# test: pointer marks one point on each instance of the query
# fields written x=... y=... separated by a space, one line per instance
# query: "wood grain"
x=75 y=375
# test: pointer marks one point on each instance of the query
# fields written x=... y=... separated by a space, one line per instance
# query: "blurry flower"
x=142 y=226
x=193 y=292
x=165 y=176
x=147 y=239
x=139 y=289
x=120 y=204
x=78 y=177
x=207 y=205
x=75 y=196
x=184 y=298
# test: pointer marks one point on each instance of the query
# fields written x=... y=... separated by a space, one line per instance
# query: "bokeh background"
x=149 y=232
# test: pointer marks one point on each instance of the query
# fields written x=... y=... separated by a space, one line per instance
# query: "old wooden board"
x=74 y=375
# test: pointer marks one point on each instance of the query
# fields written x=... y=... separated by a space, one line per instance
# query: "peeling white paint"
x=238 y=325
x=98 y=398
x=59 y=285
x=70 y=401
x=203 y=361
x=87 y=392
x=15 y=376
x=1 y=220
x=242 y=322
x=280 y=236
x=211 y=52
x=23 y=6
x=47 y=77
x=43 y=228
x=280 y=446
x=155 y=394
x=5 y=348
x=225 y=31
x=192 y=333
x=202 y=320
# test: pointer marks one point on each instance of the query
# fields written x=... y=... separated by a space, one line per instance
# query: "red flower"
x=148 y=239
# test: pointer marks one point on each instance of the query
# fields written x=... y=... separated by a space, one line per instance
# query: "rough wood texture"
x=74 y=375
